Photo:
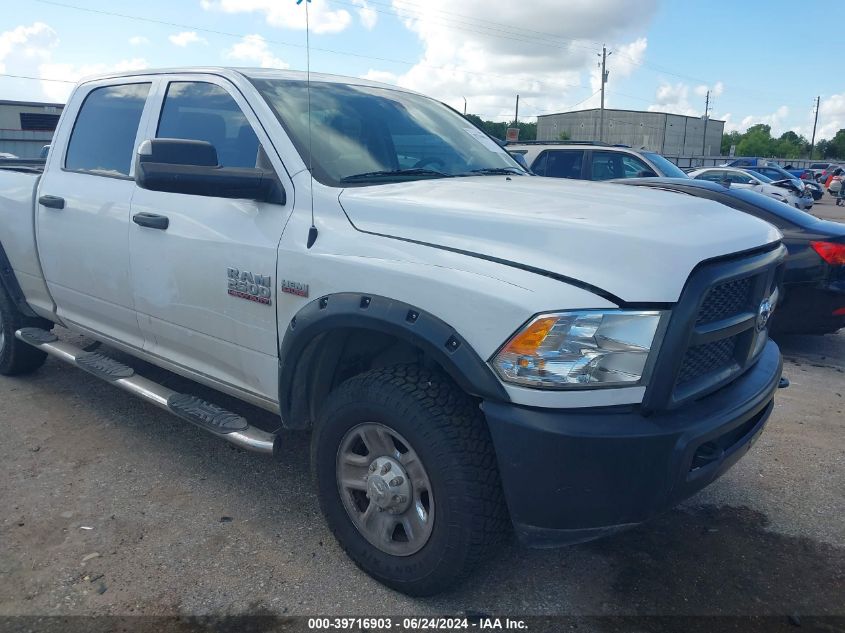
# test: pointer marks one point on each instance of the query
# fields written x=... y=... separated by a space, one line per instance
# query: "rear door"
x=83 y=218
x=205 y=285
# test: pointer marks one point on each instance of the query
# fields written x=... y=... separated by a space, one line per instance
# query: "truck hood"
x=636 y=244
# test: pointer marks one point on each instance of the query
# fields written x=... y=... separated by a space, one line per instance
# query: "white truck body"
x=484 y=254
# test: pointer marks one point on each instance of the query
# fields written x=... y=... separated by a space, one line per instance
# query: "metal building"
x=26 y=126
x=668 y=134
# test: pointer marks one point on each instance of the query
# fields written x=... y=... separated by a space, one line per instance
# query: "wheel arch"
x=315 y=350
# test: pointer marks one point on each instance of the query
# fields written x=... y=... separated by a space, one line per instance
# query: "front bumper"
x=574 y=475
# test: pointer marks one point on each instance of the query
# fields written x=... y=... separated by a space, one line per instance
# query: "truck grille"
x=713 y=336
x=703 y=359
x=725 y=300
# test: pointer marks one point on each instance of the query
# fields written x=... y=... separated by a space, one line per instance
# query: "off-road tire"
x=448 y=432
x=16 y=357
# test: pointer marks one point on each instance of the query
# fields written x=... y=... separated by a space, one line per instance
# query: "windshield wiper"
x=494 y=171
x=395 y=173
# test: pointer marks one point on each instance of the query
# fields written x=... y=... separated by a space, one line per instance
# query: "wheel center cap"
x=388 y=486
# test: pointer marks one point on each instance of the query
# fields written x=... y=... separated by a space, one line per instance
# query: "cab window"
x=203 y=111
x=103 y=137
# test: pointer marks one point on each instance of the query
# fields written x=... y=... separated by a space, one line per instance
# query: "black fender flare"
x=436 y=338
x=12 y=287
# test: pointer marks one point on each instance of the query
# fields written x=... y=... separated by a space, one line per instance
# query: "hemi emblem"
x=294 y=288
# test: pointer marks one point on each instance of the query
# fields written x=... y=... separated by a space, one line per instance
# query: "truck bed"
x=28 y=165
x=18 y=190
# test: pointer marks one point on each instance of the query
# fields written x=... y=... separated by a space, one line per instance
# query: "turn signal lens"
x=832 y=253
x=527 y=341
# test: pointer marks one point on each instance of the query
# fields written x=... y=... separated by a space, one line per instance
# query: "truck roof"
x=250 y=73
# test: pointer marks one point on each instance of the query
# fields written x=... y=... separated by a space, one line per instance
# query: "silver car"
x=747 y=179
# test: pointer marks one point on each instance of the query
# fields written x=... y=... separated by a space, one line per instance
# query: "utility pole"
x=604 y=74
x=516 y=114
x=465 y=106
x=706 y=113
x=815 y=121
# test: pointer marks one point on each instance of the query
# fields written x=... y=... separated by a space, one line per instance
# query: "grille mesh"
x=703 y=359
x=725 y=300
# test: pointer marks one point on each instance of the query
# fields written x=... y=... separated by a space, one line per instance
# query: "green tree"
x=730 y=139
x=836 y=148
x=757 y=141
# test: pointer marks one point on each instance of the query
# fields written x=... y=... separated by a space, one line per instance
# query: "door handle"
x=151 y=221
x=54 y=202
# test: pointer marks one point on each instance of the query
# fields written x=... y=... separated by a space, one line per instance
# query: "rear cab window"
x=103 y=138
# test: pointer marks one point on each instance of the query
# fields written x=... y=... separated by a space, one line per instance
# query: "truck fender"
x=440 y=342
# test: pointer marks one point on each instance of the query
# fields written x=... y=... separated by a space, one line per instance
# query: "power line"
x=64 y=81
x=520 y=35
x=274 y=42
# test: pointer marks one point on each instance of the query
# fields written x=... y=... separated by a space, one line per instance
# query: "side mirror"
x=191 y=167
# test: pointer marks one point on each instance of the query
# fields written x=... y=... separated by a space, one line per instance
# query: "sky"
x=759 y=65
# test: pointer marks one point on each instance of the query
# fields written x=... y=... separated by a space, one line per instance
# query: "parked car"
x=593 y=161
x=814 y=279
x=778 y=174
x=833 y=182
x=815 y=189
x=742 y=178
x=820 y=170
x=7 y=155
x=471 y=347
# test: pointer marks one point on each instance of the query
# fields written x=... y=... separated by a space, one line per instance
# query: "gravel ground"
x=110 y=506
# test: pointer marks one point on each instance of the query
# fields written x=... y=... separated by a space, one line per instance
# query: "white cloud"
x=777 y=120
x=28 y=50
x=138 y=40
x=545 y=51
x=60 y=91
x=287 y=14
x=186 y=38
x=366 y=14
x=25 y=46
x=675 y=99
x=253 y=49
x=831 y=116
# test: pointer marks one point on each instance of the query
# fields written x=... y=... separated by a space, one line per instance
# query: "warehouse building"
x=26 y=126
x=669 y=134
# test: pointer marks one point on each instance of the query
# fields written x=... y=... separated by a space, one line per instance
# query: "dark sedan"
x=814 y=279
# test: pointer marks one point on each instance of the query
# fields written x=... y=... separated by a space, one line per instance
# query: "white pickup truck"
x=476 y=351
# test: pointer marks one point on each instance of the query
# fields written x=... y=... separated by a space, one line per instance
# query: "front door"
x=83 y=218
x=205 y=285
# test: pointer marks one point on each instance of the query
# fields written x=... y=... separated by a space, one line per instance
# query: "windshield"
x=361 y=135
x=776 y=173
x=666 y=167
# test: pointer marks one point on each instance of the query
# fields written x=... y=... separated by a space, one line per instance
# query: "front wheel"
x=407 y=478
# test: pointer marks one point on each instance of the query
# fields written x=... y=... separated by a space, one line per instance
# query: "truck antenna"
x=312 y=232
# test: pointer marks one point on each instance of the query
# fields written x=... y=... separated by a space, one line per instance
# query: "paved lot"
x=110 y=506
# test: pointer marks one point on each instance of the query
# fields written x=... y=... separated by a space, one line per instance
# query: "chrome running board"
x=230 y=426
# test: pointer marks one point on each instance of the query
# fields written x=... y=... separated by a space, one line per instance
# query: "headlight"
x=585 y=348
